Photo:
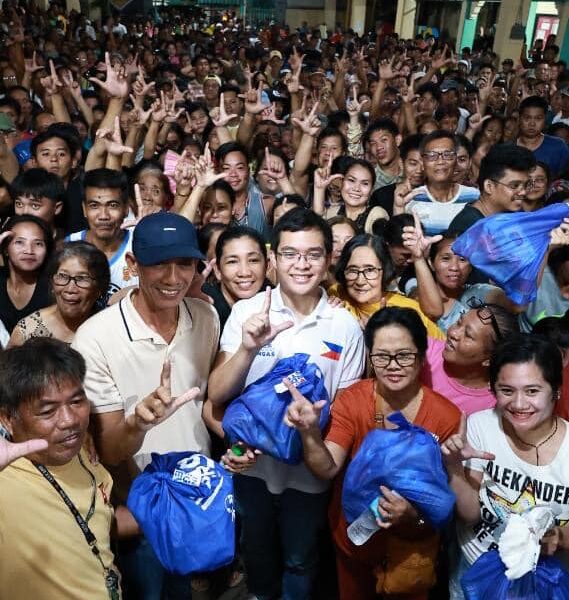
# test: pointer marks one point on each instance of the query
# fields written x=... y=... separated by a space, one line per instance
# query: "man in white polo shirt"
x=148 y=357
x=283 y=507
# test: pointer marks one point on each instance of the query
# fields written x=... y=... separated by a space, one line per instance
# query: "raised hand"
x=258 y=330
x=402 y=196
x=353 y=106
x=310 y=123
x=184 y=173
x=457 y=449
x=131 y=65
x=301 y=413
x=341 y=64
x=205 y=170
x=253 y=100
x=143 y=209
x=386 y=70
x=51 y=83
x=31 y=65
x=322 y=176
x=268 y=114
x=416 y=241
x=295 y=60
x=71 y=85
x=219 y=116
x=160 y=404
x=195 y=289
x=116 y=83
x=10 y=451
x=273 y=167
x=138 y=117
x=292 y=79
x=443 y=60
x=112 y=140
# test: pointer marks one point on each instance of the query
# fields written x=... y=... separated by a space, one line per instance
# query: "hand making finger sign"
x=322 y=176
x=143 y=209
x=160 y=404
x=301 y=413
x=258 y=330
x=416 y=241
x=457 y=448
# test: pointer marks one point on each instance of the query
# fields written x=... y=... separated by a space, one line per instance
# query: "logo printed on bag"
x=230 y=506
x=330 y=350
x=191 y=472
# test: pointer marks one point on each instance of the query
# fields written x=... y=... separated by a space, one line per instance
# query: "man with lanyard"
x=147 y=356
x=55 y=510
x=283 y=507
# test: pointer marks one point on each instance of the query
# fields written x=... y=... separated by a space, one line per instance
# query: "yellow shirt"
x=43 y=553
x=391 y=299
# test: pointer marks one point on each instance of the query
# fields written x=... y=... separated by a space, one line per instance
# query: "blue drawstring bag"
x=183 y=501
x=257 y=416
x=486 y=580
x=510 y=248
x=407 y=460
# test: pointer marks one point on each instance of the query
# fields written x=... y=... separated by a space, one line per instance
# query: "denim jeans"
x=279 y=538
x=144 y=578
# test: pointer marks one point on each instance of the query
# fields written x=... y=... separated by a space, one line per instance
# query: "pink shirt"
x=469 y=400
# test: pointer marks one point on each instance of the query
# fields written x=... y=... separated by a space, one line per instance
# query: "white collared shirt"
x=334 y=341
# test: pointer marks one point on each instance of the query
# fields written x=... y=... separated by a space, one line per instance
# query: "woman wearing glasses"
x=363 y=273
x=397 y=341
x=79 y=276
x=515 y=453
x=539 y=180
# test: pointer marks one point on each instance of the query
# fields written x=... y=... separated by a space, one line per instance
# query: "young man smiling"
x=295 y=317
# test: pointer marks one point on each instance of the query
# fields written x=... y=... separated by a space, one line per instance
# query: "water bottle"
x=365 y=525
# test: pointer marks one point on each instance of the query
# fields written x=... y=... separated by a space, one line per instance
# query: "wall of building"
x=295 y=17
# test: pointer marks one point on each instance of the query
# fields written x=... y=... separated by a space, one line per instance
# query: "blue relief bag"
x=257 y=416
x=407 y=460
x=510 y=248
x=183 y=501
x=486 y=580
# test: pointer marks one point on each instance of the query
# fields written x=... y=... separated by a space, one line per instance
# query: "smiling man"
x=42 y=398
x=283 y=507
x=155 y=335
x=105 y=207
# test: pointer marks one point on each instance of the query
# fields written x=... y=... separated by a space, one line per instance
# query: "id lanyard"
x=111 y=577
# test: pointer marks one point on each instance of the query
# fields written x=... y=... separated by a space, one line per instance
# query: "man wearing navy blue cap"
x=148 y=359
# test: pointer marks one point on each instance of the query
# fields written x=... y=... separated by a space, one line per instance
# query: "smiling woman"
x=515 y=453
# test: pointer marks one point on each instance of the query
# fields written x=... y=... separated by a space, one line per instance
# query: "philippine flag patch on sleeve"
x=331 y=351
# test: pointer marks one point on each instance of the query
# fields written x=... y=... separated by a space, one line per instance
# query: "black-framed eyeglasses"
x=369 y=273
x=403 y=359
x=432 y=156
x=81 y=281
x=515 y=186
x=486 y=315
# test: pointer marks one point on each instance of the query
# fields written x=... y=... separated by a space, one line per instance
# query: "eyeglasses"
x=81 y=281
x=515 y=186
x=403 y=359
x=486 y=315
x=446 y=155
x=369 y=273
x=293 y=256
x=537 y=181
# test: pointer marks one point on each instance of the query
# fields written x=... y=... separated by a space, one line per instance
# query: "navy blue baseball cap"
x=163 y=236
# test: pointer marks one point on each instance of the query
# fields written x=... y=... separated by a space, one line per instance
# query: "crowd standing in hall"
x=186 y=201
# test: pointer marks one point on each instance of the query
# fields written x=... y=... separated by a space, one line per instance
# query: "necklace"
x=536 y=447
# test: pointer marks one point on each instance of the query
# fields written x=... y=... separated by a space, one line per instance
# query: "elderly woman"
x=397 y=342
x=513 y=453
x=78 y=276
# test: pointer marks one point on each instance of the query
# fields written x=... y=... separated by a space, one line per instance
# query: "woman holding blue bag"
x=513 y=457
x=398 y=561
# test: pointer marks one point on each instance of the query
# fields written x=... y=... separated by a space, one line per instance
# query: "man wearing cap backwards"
x=148 y=359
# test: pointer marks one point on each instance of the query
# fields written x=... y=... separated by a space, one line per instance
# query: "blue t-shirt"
x=554 y=152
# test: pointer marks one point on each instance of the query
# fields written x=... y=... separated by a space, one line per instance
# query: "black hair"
x=555 y=128
x=332 y=132
x=555 y=329
x=407 y=318
x=365 y=240
x=45 y=228
x=447 y=236
x=504 y=156
x=38 y=183
x=228 y=87
x=301 y=219
x=380 y=125
x=361 y=162
x=223 y=186
x=546 y=169
x=72 y=143
x=295 y=199
x=392 y=230
x=336 y=118
x=27 y=371
x=95 y=261
x=410 y=143
x=205 y=234
x=13 y=104
x=438 y=135
x=430 y=88
x=556 y=262
x=192 y=107
x=107 y=178
x=274 y=151
x=506 y=321
x=229 y=147
x=463 y=142
x=235 y=233
x=446 y=111
x=533 y=102
x=341 y=220
x=526 y=348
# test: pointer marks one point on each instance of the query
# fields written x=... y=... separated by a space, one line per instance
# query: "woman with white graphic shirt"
x=513 y=457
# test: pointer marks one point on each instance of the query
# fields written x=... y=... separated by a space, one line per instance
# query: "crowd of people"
x=187 y=200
